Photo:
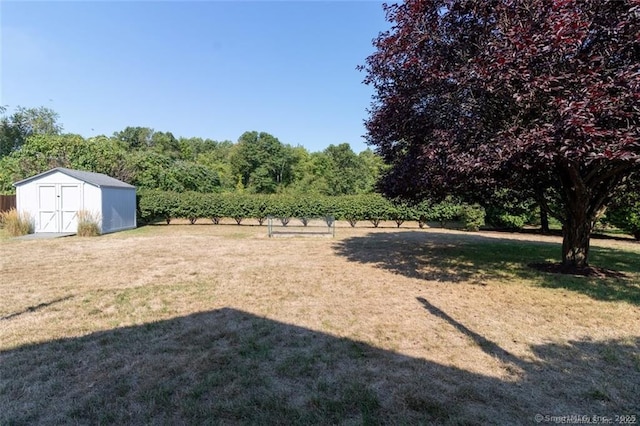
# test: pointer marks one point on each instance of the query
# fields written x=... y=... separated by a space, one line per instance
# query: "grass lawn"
x=206 y=324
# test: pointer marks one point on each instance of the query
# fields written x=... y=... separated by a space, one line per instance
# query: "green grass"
x=512 y=258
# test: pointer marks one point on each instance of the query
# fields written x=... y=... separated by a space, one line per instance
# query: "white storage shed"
x=54 y=198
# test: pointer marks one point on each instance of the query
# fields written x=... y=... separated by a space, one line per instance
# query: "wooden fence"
x=7 y=202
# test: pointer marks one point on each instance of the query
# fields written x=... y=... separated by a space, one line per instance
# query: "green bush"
x=377 y=208
x=154 y=204
x=509 y=209
x=213 y=207
x=472 y=217
x=281 y=207
x=508 y=221
x=306 y=207
x=445 y=211
x=422 y=212
x=400 y=212
x=191 y=206
x=259 y=207
x=350 y=208
x=239 y=207
x=625 y=217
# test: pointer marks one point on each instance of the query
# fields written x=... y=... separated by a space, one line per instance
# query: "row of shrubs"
x=154 y=205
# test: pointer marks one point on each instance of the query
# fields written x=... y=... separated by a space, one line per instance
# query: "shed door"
x=69 y=206
x=48 y=209
x=58 y=207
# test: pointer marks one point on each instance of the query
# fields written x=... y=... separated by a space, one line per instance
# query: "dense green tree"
x=40 y=153
x=10 y=172
x=135 y=137
x=309 y=170
x=257 y=163
x=335 y=171
x=217 y=157
x=148 y=169
x=191 y=148
x=101 y=154
x=509 y=209
x=624 y=212
x=165 y=143
x=262 y=162
x=189 y=176
x=24 y=122
x=373 y=166
x=345 y=172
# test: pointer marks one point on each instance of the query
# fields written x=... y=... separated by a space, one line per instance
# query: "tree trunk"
x=576 y=235
x=544 y=213
x=544 y=221
x=584 y=199
x=578 y=219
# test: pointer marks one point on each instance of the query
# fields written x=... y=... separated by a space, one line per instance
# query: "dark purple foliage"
x=540 y=94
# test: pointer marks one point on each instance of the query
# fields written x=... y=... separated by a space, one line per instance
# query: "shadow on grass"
x=35 y=308
x=475 y=258
x=231 y=367
x=487 y=346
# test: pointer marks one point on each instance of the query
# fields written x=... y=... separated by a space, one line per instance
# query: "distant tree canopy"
x=32 y=142
x=24 y=122
x=261 y=162
x=541 y=96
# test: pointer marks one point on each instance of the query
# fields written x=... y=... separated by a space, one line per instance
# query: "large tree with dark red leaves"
x=538 y=95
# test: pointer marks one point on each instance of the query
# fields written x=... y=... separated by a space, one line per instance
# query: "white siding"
x=27 y=199
x=56 y=177
x=93 y=200
x=52 y=202
x=63 y=196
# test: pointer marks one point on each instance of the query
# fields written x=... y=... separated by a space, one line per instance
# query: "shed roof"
x=96 y=179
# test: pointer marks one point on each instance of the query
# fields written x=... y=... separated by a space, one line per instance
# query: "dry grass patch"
x=88 y=224
x=182 y=324
x=16 y=223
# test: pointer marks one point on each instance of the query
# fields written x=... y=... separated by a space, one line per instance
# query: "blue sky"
x=211 y=69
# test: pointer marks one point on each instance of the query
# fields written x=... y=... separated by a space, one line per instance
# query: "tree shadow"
x=474 y=258
x=34 y=308
x=231 y=367
x=487 y=346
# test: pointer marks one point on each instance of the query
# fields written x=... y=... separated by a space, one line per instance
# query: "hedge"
x=154 y=205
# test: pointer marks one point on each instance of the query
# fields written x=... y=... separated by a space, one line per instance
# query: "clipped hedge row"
x=154 y=205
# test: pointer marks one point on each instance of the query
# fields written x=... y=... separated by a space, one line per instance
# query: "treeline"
x=32 y=141
x=155 y=205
